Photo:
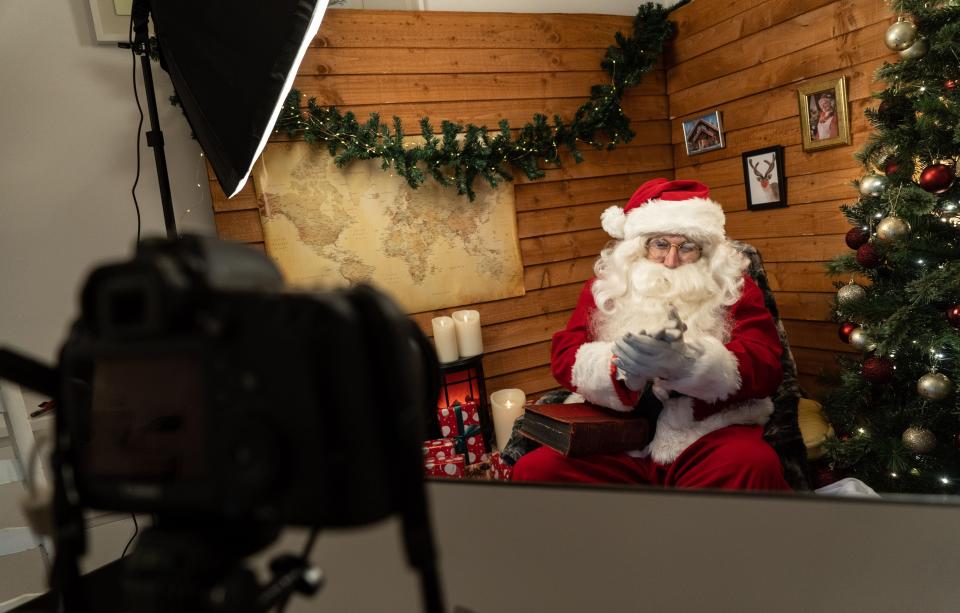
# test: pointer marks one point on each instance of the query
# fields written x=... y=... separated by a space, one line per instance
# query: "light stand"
x=141 y=47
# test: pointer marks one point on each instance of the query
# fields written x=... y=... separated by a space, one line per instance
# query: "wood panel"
x=806 y=29
x=693 y=44
x=513 y=360
x=798 y=220
x=558 y=273
x=840 y=52
x=345 y=90
x=455 y=30
x=383 y=60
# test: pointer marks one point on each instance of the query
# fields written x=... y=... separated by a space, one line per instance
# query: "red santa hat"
x=660 y=206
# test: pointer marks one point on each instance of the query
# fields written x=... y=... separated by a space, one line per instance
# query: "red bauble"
x=936 y=178
x=953 y=315
x=950 y=84
x=869 y=256
x=845 y=329
x=857 y=237
x=890 y=166
x=877 y=370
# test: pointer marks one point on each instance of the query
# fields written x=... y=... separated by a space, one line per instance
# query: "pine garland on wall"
x=459 y=155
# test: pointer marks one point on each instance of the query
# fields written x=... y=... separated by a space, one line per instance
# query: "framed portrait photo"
x=764 y=178
x=703 y=134
x=824 y=119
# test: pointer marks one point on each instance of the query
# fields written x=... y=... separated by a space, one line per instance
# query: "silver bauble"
x=872 y=185
x=860 y=339
x=919 y=440
x=934 y=386
x=917 y=50
x=891 y=228
x=850 y=293
x=900 y=35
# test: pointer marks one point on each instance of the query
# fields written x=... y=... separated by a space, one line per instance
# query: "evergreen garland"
x=904 y=310
x=459 y=155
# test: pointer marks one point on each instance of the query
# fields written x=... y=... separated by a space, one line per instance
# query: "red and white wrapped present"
x=451 y=468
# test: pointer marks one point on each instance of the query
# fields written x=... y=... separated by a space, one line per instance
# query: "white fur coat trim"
x=699 y=218
x=714 y=376
x=591 y=375
x=677 y=430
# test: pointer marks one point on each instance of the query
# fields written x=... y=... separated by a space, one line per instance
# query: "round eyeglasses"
x=658 y=248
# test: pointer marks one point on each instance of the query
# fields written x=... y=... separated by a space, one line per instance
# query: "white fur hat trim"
x=696 y=218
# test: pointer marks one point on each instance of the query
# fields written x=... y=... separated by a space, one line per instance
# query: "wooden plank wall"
x=479 y=68
x=747 y=58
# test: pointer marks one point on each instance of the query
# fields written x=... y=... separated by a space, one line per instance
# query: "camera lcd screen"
x=147 y=420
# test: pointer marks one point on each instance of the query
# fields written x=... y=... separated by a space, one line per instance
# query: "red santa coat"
x=730 y=383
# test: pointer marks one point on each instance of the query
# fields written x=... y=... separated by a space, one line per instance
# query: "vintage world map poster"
x=427 y=248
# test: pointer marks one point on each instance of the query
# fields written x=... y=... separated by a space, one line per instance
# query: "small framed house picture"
x=703 y=134
x=764 y=179
x=823 y=114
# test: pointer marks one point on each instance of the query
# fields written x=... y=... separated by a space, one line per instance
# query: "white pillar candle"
x=445 y=339
x=469 y=339
x=506 y=407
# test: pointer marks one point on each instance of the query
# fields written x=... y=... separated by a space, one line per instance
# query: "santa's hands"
x=663 y=356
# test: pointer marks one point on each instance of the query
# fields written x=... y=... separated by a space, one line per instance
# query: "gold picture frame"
x=823 y=127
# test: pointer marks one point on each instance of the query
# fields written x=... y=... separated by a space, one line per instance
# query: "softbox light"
x=232 y=63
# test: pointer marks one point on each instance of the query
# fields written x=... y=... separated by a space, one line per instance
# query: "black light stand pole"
x=141 y=46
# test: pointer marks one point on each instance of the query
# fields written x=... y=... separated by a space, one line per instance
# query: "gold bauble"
x=934 y=386
x=917 y=50
x=861 y=339
x=891 y=228
x=919 y=440
x=850 y=293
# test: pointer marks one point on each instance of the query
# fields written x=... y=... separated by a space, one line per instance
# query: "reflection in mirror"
x=675 y=372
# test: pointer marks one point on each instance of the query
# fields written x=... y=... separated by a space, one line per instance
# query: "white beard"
x=653 y=289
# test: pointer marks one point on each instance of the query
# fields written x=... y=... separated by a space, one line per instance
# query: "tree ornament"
x=845 y=329
x=950 y=84
x=919 y=440
x=857 y=237
x=850 y=293
x=934 y=386
x=917 y=50
x=891 y=228
x=891 y=165
x=877 y=370
x=953 y=315
x=860 y=339
x=900 y=35
x=873 y=185
x=869 y=256
x=936 y=178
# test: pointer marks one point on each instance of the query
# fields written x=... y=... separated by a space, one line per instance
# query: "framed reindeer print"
x=764 y=178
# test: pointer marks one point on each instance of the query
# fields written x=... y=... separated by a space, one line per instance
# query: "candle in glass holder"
x=469 y=339
x=506 y=406
x=445 y=339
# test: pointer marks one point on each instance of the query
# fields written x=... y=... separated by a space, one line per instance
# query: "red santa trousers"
x=733 y=458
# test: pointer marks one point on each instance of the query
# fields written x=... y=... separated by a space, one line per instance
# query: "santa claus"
x=672 y=325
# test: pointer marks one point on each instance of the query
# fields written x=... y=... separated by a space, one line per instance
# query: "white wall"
x=67 y=160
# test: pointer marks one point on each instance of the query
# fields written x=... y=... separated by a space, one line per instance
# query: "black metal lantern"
x=463 y=381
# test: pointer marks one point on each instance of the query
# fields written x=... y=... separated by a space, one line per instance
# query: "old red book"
x=584 y=429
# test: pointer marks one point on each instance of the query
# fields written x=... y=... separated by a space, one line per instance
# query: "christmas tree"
x=896 y=409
